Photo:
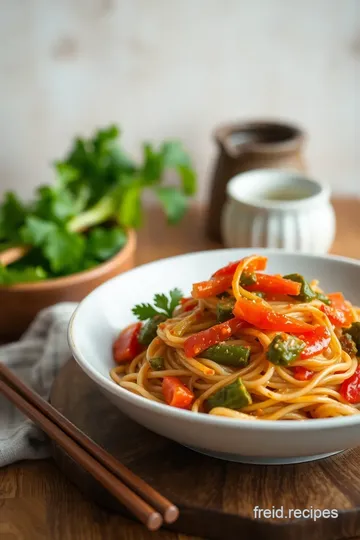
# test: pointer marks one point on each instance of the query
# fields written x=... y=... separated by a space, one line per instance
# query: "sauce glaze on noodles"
x=275 y=392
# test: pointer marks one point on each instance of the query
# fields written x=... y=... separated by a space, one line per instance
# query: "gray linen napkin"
x=35 y=359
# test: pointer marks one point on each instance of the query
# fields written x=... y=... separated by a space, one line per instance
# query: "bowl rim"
x=79 y=277
x=159 y=408
x=321 y=191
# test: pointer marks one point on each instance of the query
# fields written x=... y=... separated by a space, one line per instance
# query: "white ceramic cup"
x=278 y=209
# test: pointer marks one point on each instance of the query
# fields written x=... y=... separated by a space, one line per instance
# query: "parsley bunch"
x=80 y=220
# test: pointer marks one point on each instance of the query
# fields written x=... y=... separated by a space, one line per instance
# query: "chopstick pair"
x=135 y=494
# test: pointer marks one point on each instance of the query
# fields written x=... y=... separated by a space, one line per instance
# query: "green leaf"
x=54 y=204
x=103 y=243
x=161 y=301
x=144 y=311
x=175 y=157
x=164 y=304
x=36 y=230
x=188 y=179
x=97 y=183
x=89 y=263
x=122 y=163
x=12 y=217
x=173 y=202
x=66 y=173
x=129 y=212
x=175 y=296
x=104 y=139
x=153 y=165
x=64 y=250
x=9 y=276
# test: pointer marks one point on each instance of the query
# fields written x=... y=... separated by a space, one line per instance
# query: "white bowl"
x=273 y=208
x=101 y=315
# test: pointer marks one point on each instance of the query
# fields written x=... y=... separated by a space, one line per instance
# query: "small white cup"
x=278 y=209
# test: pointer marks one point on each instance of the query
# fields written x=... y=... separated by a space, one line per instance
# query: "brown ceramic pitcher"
x=251 y=145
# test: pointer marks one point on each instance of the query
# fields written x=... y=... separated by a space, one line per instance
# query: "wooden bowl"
x=20 y=303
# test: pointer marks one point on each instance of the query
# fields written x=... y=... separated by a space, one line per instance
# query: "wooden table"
x=36 y=501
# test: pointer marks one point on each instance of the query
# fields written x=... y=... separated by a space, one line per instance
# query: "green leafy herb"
x=12 y=217
x=35 y=230
x=28 y=275
x=103 y=243
x=174 y=203
x=80 y=219
x=163 y=306
x=64 y=250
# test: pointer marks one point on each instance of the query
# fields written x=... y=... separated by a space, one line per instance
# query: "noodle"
x=275 y=391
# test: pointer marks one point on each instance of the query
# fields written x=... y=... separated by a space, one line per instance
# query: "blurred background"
x=177 y=68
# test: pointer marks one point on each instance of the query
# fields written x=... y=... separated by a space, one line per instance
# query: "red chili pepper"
x=339 y=313
x=127 y=345
x=274 y=285
x=200 y=341
x=176 y=393
x=257 y=264
x=302 y=374
x=350 y=388
x=258 y=314
x=316 y=341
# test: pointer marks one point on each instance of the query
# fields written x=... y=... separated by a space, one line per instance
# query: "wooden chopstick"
x=144 y=490
x=134 y=493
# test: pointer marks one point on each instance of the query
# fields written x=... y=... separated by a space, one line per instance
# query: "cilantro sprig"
x=80 y=220
x=163 y=305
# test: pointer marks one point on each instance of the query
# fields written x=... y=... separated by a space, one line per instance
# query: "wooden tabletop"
x=36 y=501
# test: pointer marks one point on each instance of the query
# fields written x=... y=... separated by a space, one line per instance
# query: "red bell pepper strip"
x=261 y=316
x=302 y=374
x=201 y=341
x=339 y=313
x=274 y=285
x=236 y=325
x=127 y=345
x=212 y=287
x=222 y=279
x=316 y=341
x=335 y=315
x=258 y=264
x=176 y=393
x=350 y=388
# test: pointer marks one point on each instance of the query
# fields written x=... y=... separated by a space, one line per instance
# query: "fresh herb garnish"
x=81 y=219
x=163 y=306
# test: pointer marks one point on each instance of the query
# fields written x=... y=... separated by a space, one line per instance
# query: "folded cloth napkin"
x=35 y=359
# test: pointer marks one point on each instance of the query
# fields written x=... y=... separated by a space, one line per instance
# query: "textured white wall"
x=176 y=68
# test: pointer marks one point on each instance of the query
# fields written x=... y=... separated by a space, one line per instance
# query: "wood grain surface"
x=216 y=498
x=36 y=501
